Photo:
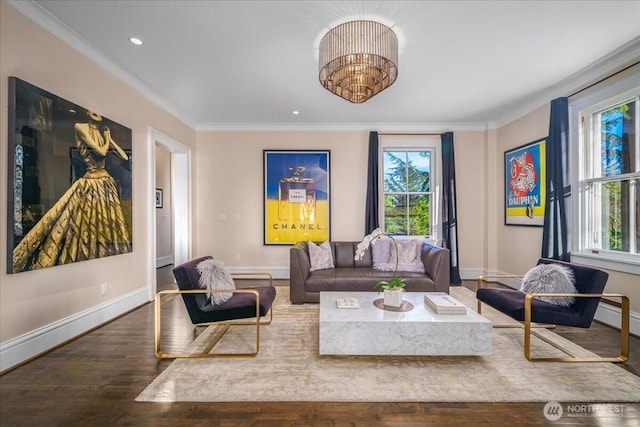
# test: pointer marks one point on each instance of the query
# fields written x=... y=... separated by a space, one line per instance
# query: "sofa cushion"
x=320 y=257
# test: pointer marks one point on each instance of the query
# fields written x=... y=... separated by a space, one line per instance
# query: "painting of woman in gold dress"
x=87 y=221
x=70 y=192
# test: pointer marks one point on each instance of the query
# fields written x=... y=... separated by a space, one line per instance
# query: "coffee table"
x=369 y=330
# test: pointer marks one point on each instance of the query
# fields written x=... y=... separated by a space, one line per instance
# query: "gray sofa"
x=352 y=275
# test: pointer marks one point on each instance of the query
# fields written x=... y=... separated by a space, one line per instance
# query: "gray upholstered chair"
x=590 y=283
x=247 y=306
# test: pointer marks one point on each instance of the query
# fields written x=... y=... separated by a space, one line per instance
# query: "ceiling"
x=250 y=64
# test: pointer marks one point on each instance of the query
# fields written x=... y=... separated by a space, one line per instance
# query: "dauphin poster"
x=525 y=180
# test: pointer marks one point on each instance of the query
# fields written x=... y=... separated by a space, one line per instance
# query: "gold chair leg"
x=624 y=337
x=217 y=336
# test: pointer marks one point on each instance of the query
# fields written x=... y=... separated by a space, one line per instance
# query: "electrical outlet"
x=104 y=288
x=238 y=258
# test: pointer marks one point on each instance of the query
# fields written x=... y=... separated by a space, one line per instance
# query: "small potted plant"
x=392 y=289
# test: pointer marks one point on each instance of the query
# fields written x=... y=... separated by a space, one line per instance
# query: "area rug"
x=289 y=368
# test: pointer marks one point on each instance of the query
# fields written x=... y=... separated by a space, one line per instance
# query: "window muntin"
x=409 y=191
x=609 y=177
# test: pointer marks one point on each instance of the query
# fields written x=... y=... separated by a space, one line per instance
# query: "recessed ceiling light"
x=135 y=41
x=296 y=112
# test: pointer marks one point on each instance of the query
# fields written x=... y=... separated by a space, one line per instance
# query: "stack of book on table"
x=443 y=303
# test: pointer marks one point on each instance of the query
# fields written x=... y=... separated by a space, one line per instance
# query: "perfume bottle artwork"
x=296 y=196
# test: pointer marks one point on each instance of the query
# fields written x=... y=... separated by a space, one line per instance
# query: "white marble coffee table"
x=369 y=330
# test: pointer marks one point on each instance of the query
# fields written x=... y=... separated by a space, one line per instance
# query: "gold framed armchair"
x=247 y=307
x=532 y=312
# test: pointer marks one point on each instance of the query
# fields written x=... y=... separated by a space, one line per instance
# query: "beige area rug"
x=289 y=368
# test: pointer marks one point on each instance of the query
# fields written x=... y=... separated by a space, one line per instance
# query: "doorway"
x=179 y=201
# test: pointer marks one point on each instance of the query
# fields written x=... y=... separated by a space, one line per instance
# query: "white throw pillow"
x=409 y=255
x=550 y=279
x=320 y=256
x=215 y=276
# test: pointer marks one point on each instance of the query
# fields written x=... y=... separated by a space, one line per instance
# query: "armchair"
x=589 y=282
x=246 y=307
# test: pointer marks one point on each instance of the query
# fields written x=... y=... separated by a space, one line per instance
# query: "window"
x=605 y=131
x=411 y=181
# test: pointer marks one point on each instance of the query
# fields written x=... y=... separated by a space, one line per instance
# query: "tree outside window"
x=408 y=192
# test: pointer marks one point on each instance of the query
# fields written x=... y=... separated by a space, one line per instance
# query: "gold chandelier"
x=358 y=59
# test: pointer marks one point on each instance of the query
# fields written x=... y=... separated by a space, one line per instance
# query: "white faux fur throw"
x=550 y=279
x=215 y=276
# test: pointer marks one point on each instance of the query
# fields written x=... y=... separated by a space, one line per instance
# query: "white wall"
x=164 y=219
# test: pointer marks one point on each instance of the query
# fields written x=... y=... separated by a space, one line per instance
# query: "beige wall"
x=229 y=173
x=164 y=220
x=518 y=248
x=33 y=299
x=229 y=169
x=472 y=188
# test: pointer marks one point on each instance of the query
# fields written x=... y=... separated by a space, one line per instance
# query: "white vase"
x=393 y=297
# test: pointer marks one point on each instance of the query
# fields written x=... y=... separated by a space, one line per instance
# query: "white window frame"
x=431 y=143
x=580 y=140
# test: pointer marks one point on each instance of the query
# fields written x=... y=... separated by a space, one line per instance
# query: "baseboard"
x=164 y=261
x=606 y=313
x=612 y=315
x=41 y=340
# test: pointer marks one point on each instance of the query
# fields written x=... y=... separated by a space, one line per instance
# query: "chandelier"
x=358 y=59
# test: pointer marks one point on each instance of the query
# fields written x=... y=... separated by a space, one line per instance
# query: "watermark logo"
x=553 y=411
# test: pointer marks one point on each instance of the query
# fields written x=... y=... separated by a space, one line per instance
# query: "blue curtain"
x=555 y=232
x=449 y=223
x=371 y=221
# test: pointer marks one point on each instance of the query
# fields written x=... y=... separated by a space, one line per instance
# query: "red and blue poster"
x=525 y=180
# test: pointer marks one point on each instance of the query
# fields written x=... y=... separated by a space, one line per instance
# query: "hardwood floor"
x=93 y=380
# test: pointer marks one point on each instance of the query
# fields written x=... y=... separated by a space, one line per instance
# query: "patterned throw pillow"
x=550 y=279
x=320 y=256
x=214 y=275
x=409 y=256
x=380 y=252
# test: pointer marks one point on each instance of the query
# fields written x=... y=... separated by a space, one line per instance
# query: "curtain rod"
x=409 y=134
x=603 y=79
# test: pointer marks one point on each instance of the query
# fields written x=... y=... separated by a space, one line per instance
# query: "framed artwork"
x=297 y=196
x=69 y=182
x=525 y=180
x=159 y=198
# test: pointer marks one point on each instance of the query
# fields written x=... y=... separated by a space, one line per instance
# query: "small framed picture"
x=158 y=197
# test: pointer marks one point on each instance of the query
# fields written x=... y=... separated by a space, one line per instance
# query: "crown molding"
x=626 y=55
x=335 y=127
x=618 y=59
x=37 y=14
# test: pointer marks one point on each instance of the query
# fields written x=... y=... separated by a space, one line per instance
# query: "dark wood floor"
x=93 y=381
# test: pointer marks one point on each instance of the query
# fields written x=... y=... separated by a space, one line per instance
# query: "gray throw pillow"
x=215 y=276
x=320 y=256
x=380 y=252
x=550 y=279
